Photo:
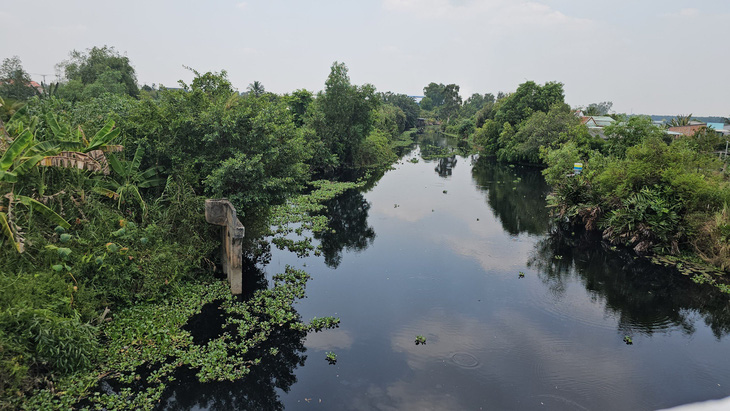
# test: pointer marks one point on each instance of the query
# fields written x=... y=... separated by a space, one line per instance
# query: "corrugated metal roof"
x=603 y=121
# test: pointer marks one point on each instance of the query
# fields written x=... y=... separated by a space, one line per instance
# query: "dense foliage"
x=102 y=228
x=646 y=191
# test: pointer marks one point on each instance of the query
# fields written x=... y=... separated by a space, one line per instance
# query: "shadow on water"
x=347 y=227
x=646 y=298
x=516 y=195
x=281 y=354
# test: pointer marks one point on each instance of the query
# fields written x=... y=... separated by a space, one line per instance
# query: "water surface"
x=436 y=248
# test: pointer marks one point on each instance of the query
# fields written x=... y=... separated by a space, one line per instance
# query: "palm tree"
x=256 y=88
x=680 y=120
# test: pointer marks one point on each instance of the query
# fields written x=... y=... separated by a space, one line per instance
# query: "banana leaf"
x=8 y=177
x=149 y=178
x=103 y=136
x=47 y=148
x=136 y=161
x=18 y=113
x=106 y=192
x=27 y=164
x=20 y=144
x=116 y=165
x=59 y=131
x=41 y=208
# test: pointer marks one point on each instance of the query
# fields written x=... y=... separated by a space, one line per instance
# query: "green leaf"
x=103 y=136
x=13 y=152
x=47 y=148
x=105 y=192
x=8 y=177
x=64 y=252
x=116 y=165
x=47 y=212
x=58 y=131
x=28 y=164
x=134 y=166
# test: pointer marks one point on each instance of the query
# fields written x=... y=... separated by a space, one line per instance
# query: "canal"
x=516 y=316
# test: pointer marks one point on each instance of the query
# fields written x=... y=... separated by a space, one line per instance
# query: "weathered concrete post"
x=222 y=213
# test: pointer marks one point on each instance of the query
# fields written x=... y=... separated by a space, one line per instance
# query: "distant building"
x=688 y=130
x=596 y=124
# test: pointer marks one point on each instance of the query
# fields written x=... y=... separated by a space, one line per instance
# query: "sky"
x=646 y=56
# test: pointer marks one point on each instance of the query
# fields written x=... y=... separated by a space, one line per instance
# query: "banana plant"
x=20 y=157
x=75 y=140
x=128 y=179
x=79 y=152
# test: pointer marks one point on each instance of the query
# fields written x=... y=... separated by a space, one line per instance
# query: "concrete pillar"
x=222 y=213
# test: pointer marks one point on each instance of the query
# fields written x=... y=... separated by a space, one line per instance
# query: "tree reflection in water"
x=445 y=166
x=645 y=297
x=516 y=195
x=347 y=227
x=258 y=390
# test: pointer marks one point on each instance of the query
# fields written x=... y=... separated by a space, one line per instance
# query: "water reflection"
x=516 y=195
x=445 y=166
x=347 y=227
x=645 y=298
x=259 y=390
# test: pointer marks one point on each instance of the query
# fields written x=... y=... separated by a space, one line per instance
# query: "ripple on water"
x=465 y=360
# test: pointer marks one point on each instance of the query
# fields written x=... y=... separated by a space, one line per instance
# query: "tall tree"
x=345 y=114
x=452 y=102
x=680 y=120
x=407 y=104
x=598 y=109
x=256 y=88
x=529 y=98
x=14 y=80
x=435 y=92
x=475 y=103
x=99 y=70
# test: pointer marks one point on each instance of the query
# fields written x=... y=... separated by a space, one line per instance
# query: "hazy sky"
x=647 y=56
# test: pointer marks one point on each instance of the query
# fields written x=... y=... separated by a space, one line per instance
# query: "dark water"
x=435 y=248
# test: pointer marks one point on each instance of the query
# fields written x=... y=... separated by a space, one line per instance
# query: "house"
x=688 y=130
x=596 y=124
x=720 y=128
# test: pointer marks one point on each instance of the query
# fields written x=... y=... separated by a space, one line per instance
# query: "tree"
x=435 y=92
x=598 y=109
x=245 y=149
x=548 y=130
x=346 y=114
x=680 y=120
x=299 y=102
x=406 y=103
x=529 y=98
x=622 y=135
x=256 y=88
x=427 y=104
x=14 y=80
x=476 y=102
x=452 y=102
x=100 y=70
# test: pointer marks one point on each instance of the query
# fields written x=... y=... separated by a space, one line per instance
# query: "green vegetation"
x=331 y=358
x=641 y=188
x=420 y=340
x=646 y=191
x=105 y=254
